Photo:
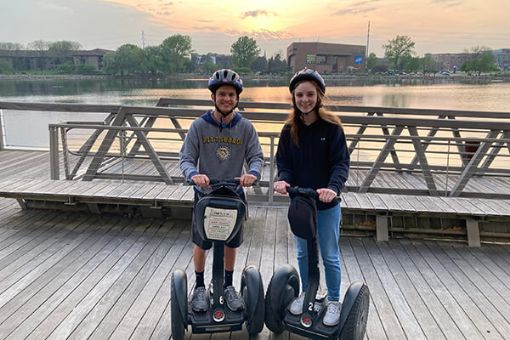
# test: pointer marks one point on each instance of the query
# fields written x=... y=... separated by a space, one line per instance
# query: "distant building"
x=502 y=58
x=219 y=60
x=450 y=61
x=326 y=57
x=447 y=61
x=22 y=60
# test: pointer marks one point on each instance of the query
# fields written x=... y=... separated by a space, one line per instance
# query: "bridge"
x=417 y=176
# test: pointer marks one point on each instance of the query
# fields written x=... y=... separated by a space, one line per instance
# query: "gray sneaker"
x=234 y=301
x=296 y=307
x=332 y=314
x=199 y=300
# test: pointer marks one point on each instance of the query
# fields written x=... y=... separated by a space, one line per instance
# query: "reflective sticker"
x=219 y=223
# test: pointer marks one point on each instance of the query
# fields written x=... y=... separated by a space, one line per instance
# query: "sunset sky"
x=435 y=26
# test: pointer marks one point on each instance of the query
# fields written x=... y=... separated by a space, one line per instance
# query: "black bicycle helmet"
x=307 y=74
x=225 y=77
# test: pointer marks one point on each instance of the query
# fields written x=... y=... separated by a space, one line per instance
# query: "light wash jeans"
x=328 y=228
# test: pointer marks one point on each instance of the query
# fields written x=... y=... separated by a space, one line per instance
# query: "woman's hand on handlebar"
x=201 y=180
x=326 y=195
x=281 y=187
x=247 y=180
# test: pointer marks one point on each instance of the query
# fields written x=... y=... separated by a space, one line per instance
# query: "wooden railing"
x=428 y=143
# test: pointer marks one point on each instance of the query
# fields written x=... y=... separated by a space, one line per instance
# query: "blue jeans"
x=328 y=229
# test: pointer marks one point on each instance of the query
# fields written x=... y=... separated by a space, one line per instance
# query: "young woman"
x=313 y=153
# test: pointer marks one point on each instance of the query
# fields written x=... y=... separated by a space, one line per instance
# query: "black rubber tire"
x=274 y=316
x=356 y=324
x=251 y=284
x=178 y=325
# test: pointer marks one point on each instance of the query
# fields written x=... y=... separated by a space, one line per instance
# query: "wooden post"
x=381 y=228
x=272 y=161
x=54 y=167
x=2 y=130
x=473 y=232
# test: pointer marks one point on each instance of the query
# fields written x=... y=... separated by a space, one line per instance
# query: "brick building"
x=326 y=57
x=22 y=60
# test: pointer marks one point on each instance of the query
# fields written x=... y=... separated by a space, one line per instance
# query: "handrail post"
x=271 y=171
x=54 y=166
x=2 y=130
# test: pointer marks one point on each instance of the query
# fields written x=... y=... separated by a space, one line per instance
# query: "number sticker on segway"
x=219 y=223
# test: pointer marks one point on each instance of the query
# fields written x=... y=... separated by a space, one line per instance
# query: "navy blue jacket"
x=320 y=161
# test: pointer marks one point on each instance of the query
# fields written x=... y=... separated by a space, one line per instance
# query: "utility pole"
x=368 y=41
x=143 y=40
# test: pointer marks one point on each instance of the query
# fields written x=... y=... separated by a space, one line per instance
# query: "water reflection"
x=488 y=97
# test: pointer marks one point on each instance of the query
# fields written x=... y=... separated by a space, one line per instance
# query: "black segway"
x=218 y=215
x=284 y=285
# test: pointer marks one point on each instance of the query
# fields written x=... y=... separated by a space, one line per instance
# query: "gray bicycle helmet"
x=307 y=74
x=225 y=77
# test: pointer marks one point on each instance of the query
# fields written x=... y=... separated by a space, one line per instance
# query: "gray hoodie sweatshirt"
x=219 y=151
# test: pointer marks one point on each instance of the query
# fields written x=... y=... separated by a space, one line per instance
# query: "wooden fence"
x=433 y=144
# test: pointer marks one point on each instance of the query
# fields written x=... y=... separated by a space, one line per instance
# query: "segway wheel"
x=283 y=287
x=252 y=291
x=178 y=304
x=356 y=323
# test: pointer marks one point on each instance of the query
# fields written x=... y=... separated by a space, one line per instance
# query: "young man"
x=217 y=146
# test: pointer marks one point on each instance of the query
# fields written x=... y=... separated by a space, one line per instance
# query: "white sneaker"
x=296 y=307
x=332 y=314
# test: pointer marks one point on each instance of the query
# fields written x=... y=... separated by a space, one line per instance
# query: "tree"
x=5 y=67
x=428 y=64
x=396 y=49
x=152 y=60
x=10 y=46
x=481 y=60
x=244 y=51
x=39 y=45
x=175 y=53
x=126 y=60
x=411 y=64
x=63 y=45
x=259 y=65
x=371 y=61
x=276 y=64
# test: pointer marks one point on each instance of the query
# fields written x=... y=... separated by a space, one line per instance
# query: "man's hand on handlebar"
x=247 y=180
x=201 y=180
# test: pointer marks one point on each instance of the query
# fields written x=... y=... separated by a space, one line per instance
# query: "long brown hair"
x=295 y=115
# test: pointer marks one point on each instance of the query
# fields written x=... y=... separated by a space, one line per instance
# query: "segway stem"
x=218 y=279
x=313 y=276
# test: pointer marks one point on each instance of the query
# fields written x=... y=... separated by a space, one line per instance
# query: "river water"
x=29 y=129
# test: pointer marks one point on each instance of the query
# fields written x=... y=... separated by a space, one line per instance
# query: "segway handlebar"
x=306 y=192
x=218 y=182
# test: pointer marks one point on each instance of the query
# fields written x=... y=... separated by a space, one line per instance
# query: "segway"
x=218 y=215
x=284 y=285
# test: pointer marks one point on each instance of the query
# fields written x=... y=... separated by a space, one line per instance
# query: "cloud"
x=360 y=7
x=260 y=34
x=448 y=3
x=205 y=28
x=256 y=13
x=354 y=11
x=363 y=3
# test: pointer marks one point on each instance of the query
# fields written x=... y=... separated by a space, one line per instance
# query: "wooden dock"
x=75 y=276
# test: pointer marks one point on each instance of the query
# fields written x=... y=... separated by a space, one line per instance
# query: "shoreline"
x=269 y=77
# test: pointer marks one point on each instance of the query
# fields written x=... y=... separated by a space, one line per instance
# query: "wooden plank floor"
x=74 y=276
x=35 y=164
